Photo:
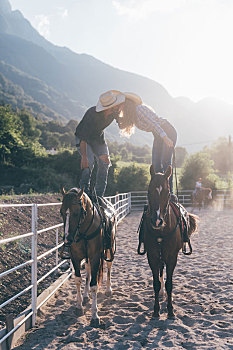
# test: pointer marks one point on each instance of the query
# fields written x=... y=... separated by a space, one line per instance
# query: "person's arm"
x=168 y=141
x=83 y=151
x=150 y=116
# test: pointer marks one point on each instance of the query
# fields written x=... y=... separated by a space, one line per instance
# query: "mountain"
x=68 y=83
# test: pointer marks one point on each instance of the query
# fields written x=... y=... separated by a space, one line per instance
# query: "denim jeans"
x=161 y=153
x=95 y=151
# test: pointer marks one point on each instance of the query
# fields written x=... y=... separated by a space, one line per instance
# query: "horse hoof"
x=171 y=315
x=85 y=300
x=95 y=322
x=79 y=312
x=155 y=315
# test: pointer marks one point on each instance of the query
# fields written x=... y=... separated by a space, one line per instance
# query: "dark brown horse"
x=162 y=235
x=83 y=222
x=202 y=197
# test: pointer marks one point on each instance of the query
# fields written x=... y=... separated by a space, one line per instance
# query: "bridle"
x=79 y=235
x=159 y=221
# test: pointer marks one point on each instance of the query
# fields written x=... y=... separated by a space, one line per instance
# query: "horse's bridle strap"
x=83 y=235
x=91 y=236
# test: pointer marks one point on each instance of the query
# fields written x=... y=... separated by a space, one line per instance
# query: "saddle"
x=183 y=217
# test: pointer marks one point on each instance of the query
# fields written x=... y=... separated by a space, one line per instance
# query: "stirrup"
x=106 y=254
x=65 y=252
x=184 y=248
x=139 y=248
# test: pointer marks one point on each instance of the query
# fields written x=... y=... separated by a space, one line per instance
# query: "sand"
x=202 y=297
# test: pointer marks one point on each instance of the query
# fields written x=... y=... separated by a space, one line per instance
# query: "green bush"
x=132 y=178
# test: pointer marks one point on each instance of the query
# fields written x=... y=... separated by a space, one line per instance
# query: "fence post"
x=56 y=246
x=34 y=264
x=130 y=202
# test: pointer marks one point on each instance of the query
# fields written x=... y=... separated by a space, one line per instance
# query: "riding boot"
x=173 y=198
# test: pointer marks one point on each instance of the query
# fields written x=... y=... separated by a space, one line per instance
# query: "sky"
x=185 y=45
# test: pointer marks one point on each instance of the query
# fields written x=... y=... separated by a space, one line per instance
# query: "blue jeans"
x=161 y=153
x=95 y=151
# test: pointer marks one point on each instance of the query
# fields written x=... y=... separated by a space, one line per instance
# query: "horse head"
x=158 y=196
x=73 y=210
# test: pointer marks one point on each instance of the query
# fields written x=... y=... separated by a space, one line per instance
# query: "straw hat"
x=131 y=96
x=109 y=99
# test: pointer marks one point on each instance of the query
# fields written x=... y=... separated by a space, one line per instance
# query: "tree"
x=132 y=178
x=180 y=155
x=222 y=154
x=197 y=165
x=18 y=142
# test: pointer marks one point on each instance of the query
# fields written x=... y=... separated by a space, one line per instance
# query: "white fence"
x=122 y=205
x=223 y=198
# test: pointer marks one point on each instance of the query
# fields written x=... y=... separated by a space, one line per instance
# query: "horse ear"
x=152 y=171
x=168 y=172
x=63 y=192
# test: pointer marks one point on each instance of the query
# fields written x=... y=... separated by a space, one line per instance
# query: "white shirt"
x=198 y=184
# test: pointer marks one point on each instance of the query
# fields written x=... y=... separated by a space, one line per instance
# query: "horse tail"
x=193 y=221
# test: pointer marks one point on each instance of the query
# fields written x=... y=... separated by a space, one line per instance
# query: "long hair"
x=126 y=119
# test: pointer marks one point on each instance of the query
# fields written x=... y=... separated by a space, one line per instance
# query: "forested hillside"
x=57 y=83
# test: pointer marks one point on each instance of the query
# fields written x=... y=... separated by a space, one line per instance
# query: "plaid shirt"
x=147 y=120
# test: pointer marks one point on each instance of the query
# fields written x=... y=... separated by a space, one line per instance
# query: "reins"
x=83 y=235
x=179 y=220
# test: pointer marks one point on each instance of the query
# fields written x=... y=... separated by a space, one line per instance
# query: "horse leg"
x=168 y=285
x=108 y=283
x=78 y=282
x=95 y=264
x=161 y=278
x=155 y=265
x=87 y=284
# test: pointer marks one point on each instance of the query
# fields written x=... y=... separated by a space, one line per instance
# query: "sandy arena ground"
x=202 y=295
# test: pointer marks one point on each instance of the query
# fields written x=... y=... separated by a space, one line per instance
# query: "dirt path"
x=203 y=299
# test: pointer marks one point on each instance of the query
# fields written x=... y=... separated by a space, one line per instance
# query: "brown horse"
x=202 y=197
x=162 y=235
x=83 y=222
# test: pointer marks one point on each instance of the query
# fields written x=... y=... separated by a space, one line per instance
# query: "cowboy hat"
x=109 y=99
x=133 y=97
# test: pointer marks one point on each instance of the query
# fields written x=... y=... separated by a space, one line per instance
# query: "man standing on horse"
x=91 y=143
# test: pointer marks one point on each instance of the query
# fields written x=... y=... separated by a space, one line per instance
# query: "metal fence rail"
x=122 y=205
x=222 y=198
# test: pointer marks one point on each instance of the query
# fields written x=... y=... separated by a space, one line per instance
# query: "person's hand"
x=84 y=162
x=168 y=141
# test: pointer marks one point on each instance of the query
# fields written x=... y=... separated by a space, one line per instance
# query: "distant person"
x=134 y=113
x=91 y=143
x=198 y=186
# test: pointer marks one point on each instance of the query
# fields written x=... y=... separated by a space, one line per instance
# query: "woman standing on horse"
x=134 y=113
